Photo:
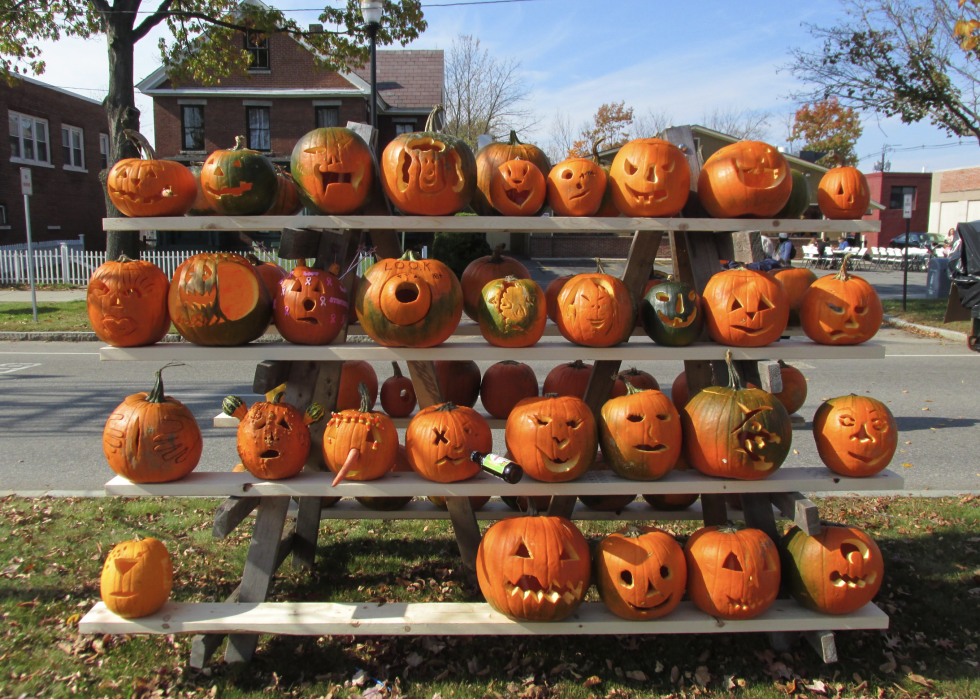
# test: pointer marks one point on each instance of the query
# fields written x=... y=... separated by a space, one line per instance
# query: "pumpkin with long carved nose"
x=552 y=437
x=334 y=170
x=650 y=177
x=641 y=573
x=855 y=435
x=360 y=443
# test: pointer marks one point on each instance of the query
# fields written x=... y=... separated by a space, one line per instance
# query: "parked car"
x=919 y=240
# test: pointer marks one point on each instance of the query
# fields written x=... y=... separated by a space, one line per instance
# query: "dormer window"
x=257 y=45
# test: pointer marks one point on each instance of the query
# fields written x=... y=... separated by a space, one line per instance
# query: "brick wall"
x=960 y=180
x=892 y=222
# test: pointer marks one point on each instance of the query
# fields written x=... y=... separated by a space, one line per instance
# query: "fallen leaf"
x=702 y=676
x=592 y=681
x=675 y=674
x=907 y=465
x=818 y=687
x=659 y=667
x=925 y=408
x=889 y=666
x=413 y=659
x=637 y=675
x=919 y=679
x=730 y=682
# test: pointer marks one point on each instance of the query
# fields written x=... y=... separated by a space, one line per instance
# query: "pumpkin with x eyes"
x=595 y=310
x=732 y=573
x=650 y=177
x=640 y=573
x=671 y=314
x=640 y=434
x=534 y=568
x=334 y=170
x=856 y=435
x=372 y=434
x=127 y=302
x=576 y=187
x=552 y=437
x=746 y=179
x=518 y=188
x=273 y=437
x=311 y=308
x=843 y=309
x=239 y=181
x=440 y=439
x=744 y=308
x=843 y=193
x=137 y=578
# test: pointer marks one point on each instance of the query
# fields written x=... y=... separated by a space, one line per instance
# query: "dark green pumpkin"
x=512 y=312
x=239 y=182
x=671 y=314
x=799 y=198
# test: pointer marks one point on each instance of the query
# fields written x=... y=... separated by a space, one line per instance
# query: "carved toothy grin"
x=648 y=197
x=838 y=579
x=148 y=199
x=228 y=191
x=530 y=587
x=738 y=606
x=677 y=322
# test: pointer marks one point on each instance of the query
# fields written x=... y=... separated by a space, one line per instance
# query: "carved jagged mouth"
x=740 y=606
x=518 y=197
x=269 y=454
x=206 y=313
x=530 y=587
x=648 y=197
x=228 y=191
x=150 y=199
x=677 y=322
x=838 y=579
x=637 y=608
x=749 y=442
x=651 y=449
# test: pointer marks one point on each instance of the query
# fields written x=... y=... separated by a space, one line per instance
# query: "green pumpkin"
x=512 y=312
x=239 y=182
x=671 y=314
x=799 y=198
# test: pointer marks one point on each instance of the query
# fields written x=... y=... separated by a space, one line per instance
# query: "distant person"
x=768 y=249
x=844 y=244
x=786 y=251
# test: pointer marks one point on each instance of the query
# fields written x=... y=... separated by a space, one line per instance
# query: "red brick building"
x=63 y=138
x=889 y=189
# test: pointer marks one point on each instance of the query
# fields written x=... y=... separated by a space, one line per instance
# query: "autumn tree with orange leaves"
x=827 y=125
x=610 y=126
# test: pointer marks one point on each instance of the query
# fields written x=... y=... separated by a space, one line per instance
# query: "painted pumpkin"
x=428 y=173
x=856 y=435
x=678 y=391
x=273 y=438
x=595 y=310
x=843 y=309
x=642 y=380
x=398 y=394
x=440 y=439
x=127 y=302
x=271 y=274
x=504 y=385
x=476 y=501
x=640 y=434
x=491 y=157
x=372 y=434
x=671 y=314
x=551 y=295
x=796 y=281
x=311 y=308
x=799 y=198
x=571 y=379
x=534 y=568
x=512 y=312
x=200 y=207
x=137 y=578
x=218 y=299
x=744 y=308
x=239 y=182
x=354 y=373
x=407 y=302
x=605 y=503
x=288 y=202
x=484 y=270
x=640 y=573
x=843 y=194
x=793 y=395
x=518 y=188
x=388 y=504
x=150 y=187
x=459 y=381
x=576 y=187
x=746 y=179
x=152 y=438
x=333 y=169
x=552 y=437
x=736 y=432
x=838 y=571
x=650 y=178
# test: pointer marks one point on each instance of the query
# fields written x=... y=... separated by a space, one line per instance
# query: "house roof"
x=62 y=90
x=408 y=80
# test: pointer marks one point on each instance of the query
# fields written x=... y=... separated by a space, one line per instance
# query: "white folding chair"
x=810 y=257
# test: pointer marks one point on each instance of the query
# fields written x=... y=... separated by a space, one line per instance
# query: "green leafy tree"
x=827 y=125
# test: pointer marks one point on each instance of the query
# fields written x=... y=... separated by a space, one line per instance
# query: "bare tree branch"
x=743 y=124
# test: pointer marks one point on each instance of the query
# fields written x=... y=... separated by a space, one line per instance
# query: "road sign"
x=26 y=186
x=907 y=209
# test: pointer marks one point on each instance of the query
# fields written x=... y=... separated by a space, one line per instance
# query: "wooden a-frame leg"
x=467 y=531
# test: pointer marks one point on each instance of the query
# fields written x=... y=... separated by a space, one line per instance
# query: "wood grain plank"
x=230 y=514
x=428 y=392
x=800 y=509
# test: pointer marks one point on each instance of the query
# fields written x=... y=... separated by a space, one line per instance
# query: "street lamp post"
x=371 y=13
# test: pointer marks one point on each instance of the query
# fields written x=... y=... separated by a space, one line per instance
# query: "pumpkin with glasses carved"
x=334 y=170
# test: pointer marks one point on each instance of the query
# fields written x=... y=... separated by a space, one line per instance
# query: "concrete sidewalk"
x=17 y=296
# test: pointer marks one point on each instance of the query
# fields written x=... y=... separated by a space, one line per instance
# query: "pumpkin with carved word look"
x=650 y=177
x=334 y=170
x=843 y=309
x=137 y=578
x=595 y=310
x=150 y=187
x=127 y=302
x=518 y=188
x=744 y=308
x=239 y=181
x=749 y=179
x=553 y=437
x=640 y=573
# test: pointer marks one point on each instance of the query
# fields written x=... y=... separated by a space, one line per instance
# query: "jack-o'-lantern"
x=838 y=571
x=150 y=187
x=843 y=309
x=383 y=503
x=640 y=434
x=334 y=170
x=512 y=312
x=288 y=202
x=311 y=308
x=745 y=179
x=484 y=270
x=407 y=302
x=843 y=194
x=518 y=188
x=796 y=281
x=576 y=187
x=440 y=439
x=127 y=302
x=491 y=157
x=534 y=568
x=605 y=503
x=552 y=437
x=732 y=573
x=571 y=379
x=504 y=385
x=744 y=308
x=650 y=177
x=428 y=173
x=855 y=435
x=671 y=314
x=137 y=578
x=372 y=435
x=595 y=310
x=239 y=182
x=273 y=438
x=217 y=298
x=736 y=432
x=398 y=394
x=641 y=573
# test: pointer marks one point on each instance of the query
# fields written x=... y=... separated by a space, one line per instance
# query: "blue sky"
x=577 y=54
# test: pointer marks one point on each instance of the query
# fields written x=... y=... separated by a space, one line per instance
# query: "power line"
x=905 y=149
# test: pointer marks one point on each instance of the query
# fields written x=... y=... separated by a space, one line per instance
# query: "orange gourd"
x=273 y=438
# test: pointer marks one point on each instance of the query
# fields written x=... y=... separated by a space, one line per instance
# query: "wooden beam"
x=386 y=244
x=823 y=642
x=467 y=532
x=800 y=509
x=758 y=514
x=428 y=392
x=270 y=373
x=231 y=513
x=299 y=243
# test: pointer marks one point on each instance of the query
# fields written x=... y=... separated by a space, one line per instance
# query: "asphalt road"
x=55 y=398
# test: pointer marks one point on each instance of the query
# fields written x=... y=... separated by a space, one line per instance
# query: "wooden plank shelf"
x=226 y=484
x=469 y=328
x=447 y=618
x=227 y=421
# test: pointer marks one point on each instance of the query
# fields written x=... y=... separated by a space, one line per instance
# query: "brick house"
x=68 y=201
x=890 y=189
x=954 y=198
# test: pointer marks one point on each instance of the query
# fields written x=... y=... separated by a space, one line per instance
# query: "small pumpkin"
x=650 y=178
x=552 y=437
x=856 y=435
x=518 y=188
x=640 y=434
x=354 y=373
x=398 y=394
x=571 y=379
x=288 y=202
x=440 y=439
x=744 y=308
x=843 y=309
x=137 y=578
x=799 y=198
x=271 y=274
x=311 y=307
x=576 y=187
x=273 y=438
x=239 y=181
x=605 y=503
x=678 y=391
x=642 y=380
x=641 y=573
x=595 y=310
x=358 y=443
x=388 y=504
x=843 y=194
x=512 y=312
x=334 y=170
x=793 y=395
x=504 y=385
x=459 y=380
x=746 y=179
x=491 y=157
x=126 y=302
x=150 y=187
x=671 y=314
x=484 y=270
x=796 y=281
x=551 y=295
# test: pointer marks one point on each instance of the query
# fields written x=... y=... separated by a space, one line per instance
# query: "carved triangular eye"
x=764 y=303
x=284 y=424
x=629 y=167
x=731 y=563
x=522 y=551
x=736 y=304
x=568 y=554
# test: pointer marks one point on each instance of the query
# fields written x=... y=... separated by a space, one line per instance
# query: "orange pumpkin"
x=311 y=307
x=650 y=177
x=273 y=438
x=491 y=157
x=744 y=308
x=354 y=373
x=137 y=578
x=640 y=573
x=856 y=435
x=372 y=435
x=484 y=270
x=459 y=380
x=518 y=188
x=640 y=434
x=843 y=309
x=746 y=179
x=551 y=295
x=127 y=302
x=595 y=310
x=288 y=202
x=512 y=312
x=398 y=394
x=843 y=194
x=678 y=391
x=793 y=395
x=150 y=187
x=504 y=385
x=571 y=379
x=642 y=380
x=576 y=187
x=440 y=439
x=552 y=437
x=334 y=170
x=796 y=281
x=271 y=274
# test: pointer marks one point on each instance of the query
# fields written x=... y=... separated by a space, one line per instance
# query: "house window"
x=192 y=126
x=258 y=45
x=104 y=149
x=898 y=197
x=259 y=132
x=72 y=148
x=327 y=116
x=404 y=128
x=28 y=139
x=3 y=215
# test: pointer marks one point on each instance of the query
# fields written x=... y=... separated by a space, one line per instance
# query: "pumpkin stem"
x=532 y=507
x=733 y=377
x=842 y=272
x=362 y=389
x=233 y=406
x=514 y=141
x=430 y=123
x=446 y=407
x=409 y=256
x=156 y=395
x=251 y=257
x=313 y=413
x=631 y=390
x=595 y=150
x=123 y=257
x=598 y=266
x=550 y=395
x=352 y=456
x=239 y=143
x=398 y=370
x=577 y=364
x=495 y=257
x=142 y=145
x=632 y=531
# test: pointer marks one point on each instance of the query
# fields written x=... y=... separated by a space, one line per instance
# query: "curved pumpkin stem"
x=495 y=257
x=398 y=370
x=842 y=272
x=631 y=390
x=123 y=257
x=595 y=150
x=733 y=377
x=577 y=364
x=142 y=145
x=234 y=407
x=239 y=143
x=156 y=395
x=446 y=407
x=598 y=266
x=275 y=394
x=352 y=456
x=313 y=413
x=430 y=123
x=409 y=256
x=514 y=140
x=253 y=258
x=362 y=390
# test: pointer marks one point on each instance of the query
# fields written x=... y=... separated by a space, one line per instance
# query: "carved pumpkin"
x=838 y=571
x=311 y=308
x=671 y=314
x=736 y=432
x=534 y=568
x=398 y=394
x=799 y=198
x=650 y=177
x=504 y=385
x=512 y=312
x=273 y=438
x=551 y=295
x=440 y=439
x=678 y=391
x=646 y=290
x=640 y=573
x=595 y=310
x=491 y=157
x=569 y=379
x=200 y=207
x=576 y=187
x=793 y=395
x=476 y=501
x=642 y=380
x=218 y=299
x=288 y=202
x=152 y=438
x=271 y=274
x=553 y=437
x=484 y=270
x=387 y=504
x=843 y=309
x=136 y=578
x=428 y=173
x=150 y=187
x=354 y=373
x=459 y=381
x=796 y=281
x=239 y=182
x=605 y=503
x=334 y=170
x=843 y=194
x=127 y=302
x=407 y=302
x=745 y=179
x=856 y=435
x=744 y=308
x=372 y=434
x=640 y=434
x=518 y=188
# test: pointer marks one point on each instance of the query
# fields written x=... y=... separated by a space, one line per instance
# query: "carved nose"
x=863 y=436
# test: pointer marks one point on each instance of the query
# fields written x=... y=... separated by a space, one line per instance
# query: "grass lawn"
x=925 y=312
x=51 y=316
x=54 y=550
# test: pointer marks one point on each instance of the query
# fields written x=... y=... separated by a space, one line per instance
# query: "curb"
x=926 y=329
x=172 y=337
